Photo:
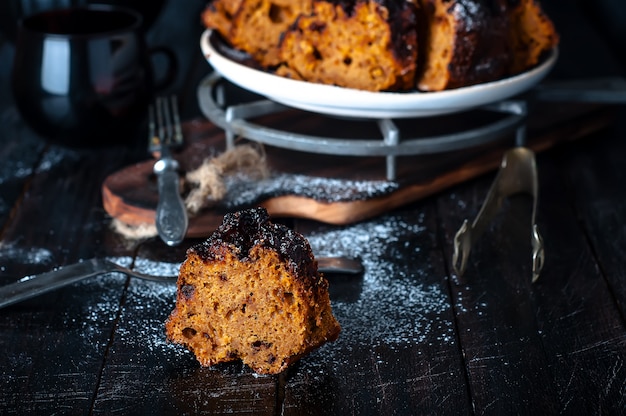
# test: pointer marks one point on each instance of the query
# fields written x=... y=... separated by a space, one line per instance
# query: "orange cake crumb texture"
x=387 y=45
x=252 y=292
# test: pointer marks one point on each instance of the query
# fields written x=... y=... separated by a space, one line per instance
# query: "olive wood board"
x=131 y=195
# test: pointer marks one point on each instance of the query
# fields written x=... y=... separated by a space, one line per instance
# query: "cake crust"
x=466 y=43
x=252 y=292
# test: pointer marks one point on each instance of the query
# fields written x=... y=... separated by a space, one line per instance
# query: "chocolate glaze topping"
x=241 y=231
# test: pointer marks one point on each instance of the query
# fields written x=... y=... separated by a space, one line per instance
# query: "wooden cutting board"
x=341 y=189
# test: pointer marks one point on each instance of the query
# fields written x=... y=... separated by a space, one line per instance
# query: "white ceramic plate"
x=338 y=101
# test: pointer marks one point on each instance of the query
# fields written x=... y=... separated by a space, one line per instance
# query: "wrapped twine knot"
x=205 y=185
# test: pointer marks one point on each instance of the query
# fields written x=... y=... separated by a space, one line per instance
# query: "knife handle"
x=171 y=214
x=46 y=282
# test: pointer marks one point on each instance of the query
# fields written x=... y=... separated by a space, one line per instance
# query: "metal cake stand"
x=235 y=119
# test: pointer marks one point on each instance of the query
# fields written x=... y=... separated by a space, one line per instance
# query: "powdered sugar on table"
x=392 y=305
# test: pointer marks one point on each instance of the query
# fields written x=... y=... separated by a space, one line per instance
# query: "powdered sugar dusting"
x=156 y=268
x=241 y=193
x=144 y=315
x=147 y=306
x=13 y=169
x=55 y=155
x=26 y=255
x=95 y=316
x=395 y=305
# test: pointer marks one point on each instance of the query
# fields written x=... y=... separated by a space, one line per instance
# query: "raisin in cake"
x=252 y=291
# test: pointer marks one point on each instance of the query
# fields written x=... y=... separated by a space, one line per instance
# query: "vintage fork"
x=165 y=133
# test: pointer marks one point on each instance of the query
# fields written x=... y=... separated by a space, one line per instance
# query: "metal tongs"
x=517 y=174
x=518 y=170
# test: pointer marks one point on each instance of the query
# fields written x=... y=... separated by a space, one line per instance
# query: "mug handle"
x=172 y=67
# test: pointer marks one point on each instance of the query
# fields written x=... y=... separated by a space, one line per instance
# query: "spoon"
x=31 y=286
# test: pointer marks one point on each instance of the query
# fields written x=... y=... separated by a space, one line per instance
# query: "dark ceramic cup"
x=12 y=11
x=82 y=77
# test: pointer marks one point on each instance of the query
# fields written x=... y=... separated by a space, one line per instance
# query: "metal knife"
x=31 y=286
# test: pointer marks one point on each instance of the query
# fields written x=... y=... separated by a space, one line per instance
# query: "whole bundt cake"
x=387 y=45
x=371 y=45
x=251 y=291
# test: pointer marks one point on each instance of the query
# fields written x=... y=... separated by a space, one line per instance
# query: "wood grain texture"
x=409 y=366
x=596 y=179
x=522 y=340
x=55 y=355
x=494 y=311
x=588 y=302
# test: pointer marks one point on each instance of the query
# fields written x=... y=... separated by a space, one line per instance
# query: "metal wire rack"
x=235 y=119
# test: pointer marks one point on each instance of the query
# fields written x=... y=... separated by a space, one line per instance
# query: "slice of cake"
x=255 y=25
x=365 y=44
x=252 y=291
x=465 y=43
x=531 y=35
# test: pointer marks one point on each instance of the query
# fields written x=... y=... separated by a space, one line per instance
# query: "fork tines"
x=164 y=127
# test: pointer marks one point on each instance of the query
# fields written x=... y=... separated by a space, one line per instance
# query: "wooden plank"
x=596 y=179
x=144 y=374
x=502 y=350
x=555 y=346
x=578 y=313
x=53 y=345
x=398 y=350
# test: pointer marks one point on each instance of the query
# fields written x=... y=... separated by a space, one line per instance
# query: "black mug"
x=82 y=77
x=12 y=11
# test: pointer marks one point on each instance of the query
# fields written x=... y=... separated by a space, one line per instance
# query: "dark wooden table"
x=414 y=340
